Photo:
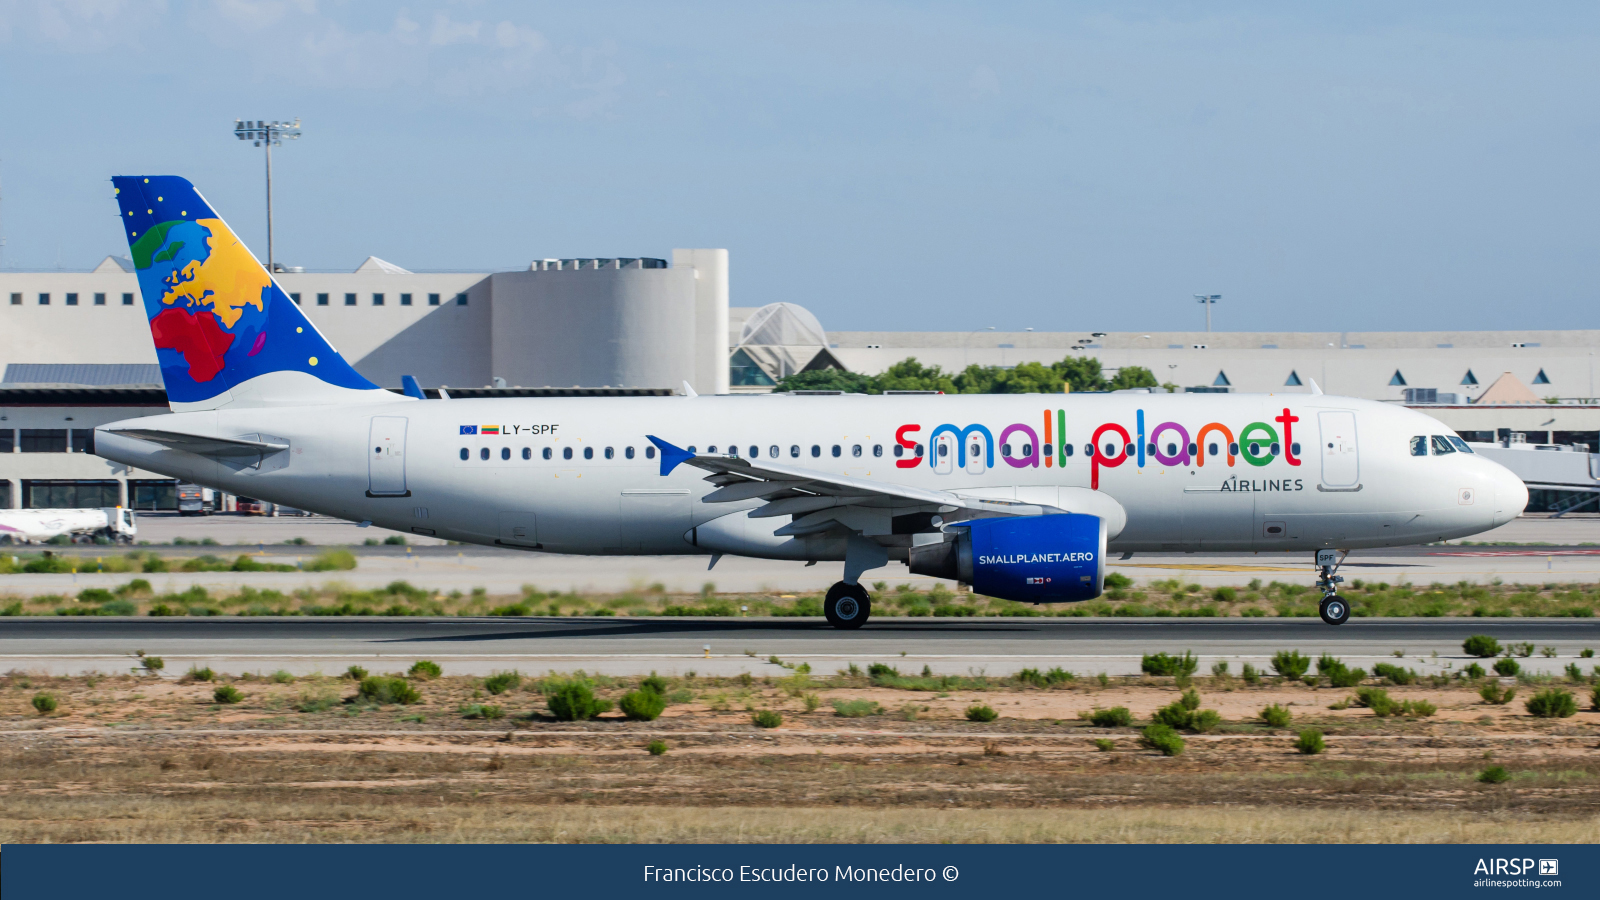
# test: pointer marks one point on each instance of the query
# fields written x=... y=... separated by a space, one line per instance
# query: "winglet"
x=688 y=390
x=412 y=389
x=670 y=456
x=1314 y=388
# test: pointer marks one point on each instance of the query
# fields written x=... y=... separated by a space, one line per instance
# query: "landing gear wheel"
x=1334 y=610
x=847 y=605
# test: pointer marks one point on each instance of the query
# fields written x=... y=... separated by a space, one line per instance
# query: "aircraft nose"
x=1510 y=496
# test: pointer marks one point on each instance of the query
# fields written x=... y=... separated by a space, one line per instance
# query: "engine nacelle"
x=1032 y=559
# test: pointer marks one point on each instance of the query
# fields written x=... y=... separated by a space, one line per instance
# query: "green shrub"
x=1492 y=693
x=1115 y=717
x=1395 y=674
x=500 y=682
x=1190 y=700
x=856 y=709
x=981 y=712
x=1507 y=667
x=339 y=560
x=1104 y=745
x=1338 y=674
x=152 y=664
x=1594 y=699
x=1205 y=721
x=355 y=673
x=1173 y=715
x=396 y=540
x=1249 y=674
x=317 y=700
x=1377 y=700
x=1481 y=645
x=763 y=718
x=1225 y=595
x=658 y=684
x=656 y=748
x=1574 y=673
x=45 y=703
x=388 y=689
x=282 y=677
x=1118 y=580
x=1310 y=742
x=424 y=669
x=1473 y=671
x=1277 y=715
x=482 y=711
x=1494 y=775
x=1291 y=664
x=1031 y=676
x=1219 y=669
x=200 y=673
x=1552 y=703
x=1418 y=708
x=642 y=705
x=1167 y=664
x=1162 y=738
x=574 y=701
x=226 y=693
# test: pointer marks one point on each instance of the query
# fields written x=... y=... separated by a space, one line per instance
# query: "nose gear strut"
x=1333 y=608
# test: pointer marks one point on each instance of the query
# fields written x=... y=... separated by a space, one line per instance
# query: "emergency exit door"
x=386 y=457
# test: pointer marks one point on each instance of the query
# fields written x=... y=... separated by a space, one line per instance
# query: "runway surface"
x=674 y=646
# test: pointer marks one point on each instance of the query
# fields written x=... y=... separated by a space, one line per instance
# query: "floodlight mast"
x=1207 y=300
x=266 y=134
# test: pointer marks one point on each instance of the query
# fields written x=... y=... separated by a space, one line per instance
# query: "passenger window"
x=464 y=453
x=1150 y=448
x=1233 y=449
x=899 y=451
x=610 y=453
x=628 y=453
x=691 y=448
x=711 y=450
x=1419 y=445
x=527 y=453
x=1005 y=450
x=1172 y=449
x=877 y=449
x=855 y=450
x=1295 y=448
x=944 y=450
x=547 y=454
x=1211 y=448
x=1192 y=449
x=755 y=452
x=1088 y=449
x=483 y=453
x=794 y=450
x=733 y=451
x=919 y=451
x=816 y=451
x=837 y=451
x=773 y=451
x=1460 y=444
x=1274 y=449
x=649 y=453
x=505 y=452
x=588 y=453
x=1441 y=445
x=566 y=452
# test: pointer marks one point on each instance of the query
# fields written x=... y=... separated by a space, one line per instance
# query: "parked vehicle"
x=28 y=526
x=194 y=500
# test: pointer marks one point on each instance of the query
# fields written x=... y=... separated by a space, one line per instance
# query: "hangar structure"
x=75 y=353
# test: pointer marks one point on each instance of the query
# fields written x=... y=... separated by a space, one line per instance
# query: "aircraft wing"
x=821 y=499
x=204 y=445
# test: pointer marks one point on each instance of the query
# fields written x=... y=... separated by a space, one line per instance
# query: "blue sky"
x=1069 y=167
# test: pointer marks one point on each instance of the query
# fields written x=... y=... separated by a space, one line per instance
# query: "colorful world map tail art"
x=225 y=333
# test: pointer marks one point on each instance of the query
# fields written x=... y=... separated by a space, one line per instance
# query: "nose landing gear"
x=1333 y=608
x=847 y=605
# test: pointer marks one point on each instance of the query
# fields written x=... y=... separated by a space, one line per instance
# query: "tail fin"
x=225 y=333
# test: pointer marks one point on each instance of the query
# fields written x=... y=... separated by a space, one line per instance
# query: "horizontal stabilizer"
x=204 y=445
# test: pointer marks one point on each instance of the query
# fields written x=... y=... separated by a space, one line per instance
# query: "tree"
x=829 y=380
x=910 y=375
x=1133 y=377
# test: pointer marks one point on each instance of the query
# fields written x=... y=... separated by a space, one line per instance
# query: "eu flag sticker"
x=469 y=429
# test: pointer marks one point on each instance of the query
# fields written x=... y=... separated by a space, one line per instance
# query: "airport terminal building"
x=75 y=353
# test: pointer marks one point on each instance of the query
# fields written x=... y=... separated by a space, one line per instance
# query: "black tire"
x=847 y=605
x=1334 y=609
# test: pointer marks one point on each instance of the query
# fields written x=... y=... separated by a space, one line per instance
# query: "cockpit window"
x=1419 y=445
x=1460 y=444
x=1441 y=445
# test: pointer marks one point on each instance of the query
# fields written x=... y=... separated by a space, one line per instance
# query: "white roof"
x=374 y=264
x=783 y=325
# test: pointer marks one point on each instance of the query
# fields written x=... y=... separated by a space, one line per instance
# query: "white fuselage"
x=413 y=467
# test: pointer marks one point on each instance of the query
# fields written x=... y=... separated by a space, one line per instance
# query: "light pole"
x=1208 y=300
x=266 y=134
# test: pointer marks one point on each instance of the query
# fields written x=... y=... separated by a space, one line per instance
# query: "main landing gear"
x=847 y=605
x=1333 y=608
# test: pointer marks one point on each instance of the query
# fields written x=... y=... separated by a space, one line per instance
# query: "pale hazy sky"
x=895 y=166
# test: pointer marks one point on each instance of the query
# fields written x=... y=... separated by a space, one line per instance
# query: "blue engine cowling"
x=1032 y=559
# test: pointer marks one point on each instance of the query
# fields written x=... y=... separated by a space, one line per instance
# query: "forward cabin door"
x=386 y=457
x=1341 y=464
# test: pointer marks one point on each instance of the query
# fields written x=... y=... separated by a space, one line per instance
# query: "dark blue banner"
x=345 y=872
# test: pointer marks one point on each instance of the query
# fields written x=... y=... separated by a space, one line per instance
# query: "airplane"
x=1019 y=496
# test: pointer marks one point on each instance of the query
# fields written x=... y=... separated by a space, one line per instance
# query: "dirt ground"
x=129 y=758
